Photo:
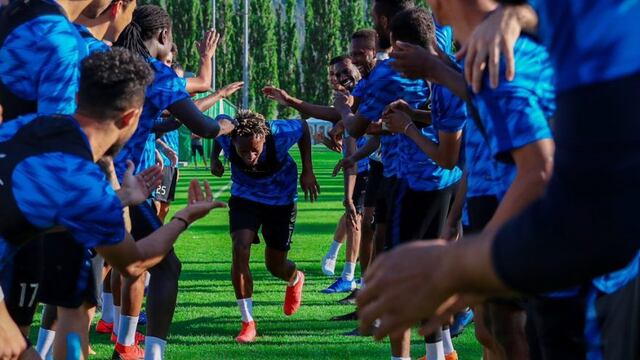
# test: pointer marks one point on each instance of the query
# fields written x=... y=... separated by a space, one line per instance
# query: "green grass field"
x=207 y=318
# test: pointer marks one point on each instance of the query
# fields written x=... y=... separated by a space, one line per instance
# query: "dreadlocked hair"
x=147 y=20
x=250 y=124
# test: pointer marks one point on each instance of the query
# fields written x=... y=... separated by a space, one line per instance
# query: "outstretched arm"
x=187 y=113
x=207 y=49
x=308 y=180
x=316 y=111
x=210 y=100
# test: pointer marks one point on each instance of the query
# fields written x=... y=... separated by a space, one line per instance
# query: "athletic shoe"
x=350 y=299
x=452 y=356
x=328 y=265
x=293 y=296
x=248 y=333
x=104 y=327
x=138 y=340
x=133 y=352
x=340 y=286
x=346 y=317
x=359 y=283
x=461 y=320
x=142 y=318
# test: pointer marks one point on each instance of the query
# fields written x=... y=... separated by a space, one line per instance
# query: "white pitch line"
x=222 y=189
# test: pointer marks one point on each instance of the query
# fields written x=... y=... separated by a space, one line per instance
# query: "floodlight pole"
x=213 y=60
x=245 y=57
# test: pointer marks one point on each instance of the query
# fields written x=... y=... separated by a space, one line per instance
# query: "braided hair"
x=250 y=124
x=147 y=21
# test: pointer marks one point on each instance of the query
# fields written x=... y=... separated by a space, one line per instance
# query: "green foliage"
x=187 y=30
x=264 y=55
x=289 y=54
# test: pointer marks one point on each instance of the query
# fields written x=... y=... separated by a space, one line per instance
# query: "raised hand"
x=199 y=203
x=230 y=89
x=342 y=100
x=309 y=185
x=136 y=189
x=275 y=94
x=209 y=44
x=397 y=121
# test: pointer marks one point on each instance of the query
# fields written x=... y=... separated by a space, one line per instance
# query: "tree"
x=353 y=19
x=289 y=54
x=263 y=55
x=187 y=29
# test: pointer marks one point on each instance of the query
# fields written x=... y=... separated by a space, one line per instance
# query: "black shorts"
x=277 y=221
x=69 y=278
x=373 y=183
x=417 y=215
x=359 y=191
x=481 y=210
x=22 y=279
x=197 y=148
x=385 y=194
x=144 y=220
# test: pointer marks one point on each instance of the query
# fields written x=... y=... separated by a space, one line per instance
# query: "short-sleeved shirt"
x=41 y=64
x=590 y=41
x=448 y=113
x=281 y=188
x=60 y=189
x=167 y=89
x=384 y=86
x=93 y=45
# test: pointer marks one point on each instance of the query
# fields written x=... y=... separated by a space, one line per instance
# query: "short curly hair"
x=112 y=82
x=250 y=124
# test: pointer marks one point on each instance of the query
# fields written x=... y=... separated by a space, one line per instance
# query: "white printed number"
x=162 y=190
x=23 y=293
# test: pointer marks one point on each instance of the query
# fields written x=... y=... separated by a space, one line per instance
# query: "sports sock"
x=295 y=279
x=154 y=348
x=116 y=319
x=246 y=309
x=348 y=271
x=45 y=342
x=107 y=307
x=334 y=249
x=127 y=330
x=400 y=358
x=446 y=341
x=435 y=351
x=147 y=279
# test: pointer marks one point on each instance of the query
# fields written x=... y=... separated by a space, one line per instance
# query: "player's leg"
x=508 y=320
x=72 y=320
x=193 y=155
x=47 y=331
x=201 y=152
x=278 y=224
x=105 y=324
x=244 y=223
x=329 y=260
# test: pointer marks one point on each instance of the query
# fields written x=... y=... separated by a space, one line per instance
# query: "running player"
x=63 y=150
x=263 y=196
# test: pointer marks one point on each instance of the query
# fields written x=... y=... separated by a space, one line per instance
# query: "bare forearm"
x=369 y=148
x=202 y=82
x=422 y=116
x=526 y=15
x=208 y=102
x=455 y=214
x=305 y=147
x=453 y=80
x=316 y=111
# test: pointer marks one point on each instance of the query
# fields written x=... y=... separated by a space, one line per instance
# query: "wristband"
x=185 y=222
x=407 y=128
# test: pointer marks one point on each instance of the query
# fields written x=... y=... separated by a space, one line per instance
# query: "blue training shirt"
x=93 y=45
x=59 y=189
x=590 y=41
x=280 y=188
x=517 y=113
x=384 y=86
x=167 y=89
x=363 y=165
x=41 y=63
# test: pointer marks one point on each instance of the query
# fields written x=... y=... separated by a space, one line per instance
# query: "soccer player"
x=197 y=148
x=150 y=36
x=263 y=196
x=63 y=150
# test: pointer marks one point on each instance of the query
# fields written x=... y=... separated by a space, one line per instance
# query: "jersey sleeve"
x=286 y=133
x=57 y=189
x=449 y=111
x=382 y=91
x=167 y=88
x=513 y=119
x=59 y=75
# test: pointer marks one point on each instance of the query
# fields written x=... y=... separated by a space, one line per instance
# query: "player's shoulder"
x=163 y=73
x=9 y=129
x=284 y=126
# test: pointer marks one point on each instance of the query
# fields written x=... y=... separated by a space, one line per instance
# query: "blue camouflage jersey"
x=384 y=86
x=590 y=41
x=55 y=188
x=93 y=45
x=280 y=188
x=167 y=89
x=448 y=113
x=40 y=66
x=363 y=165
x=517 y=113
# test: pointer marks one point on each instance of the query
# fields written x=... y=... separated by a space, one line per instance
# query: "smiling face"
x=249 y=148
x=346 y=74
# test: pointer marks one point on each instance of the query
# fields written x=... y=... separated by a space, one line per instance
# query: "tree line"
x=291 y=43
